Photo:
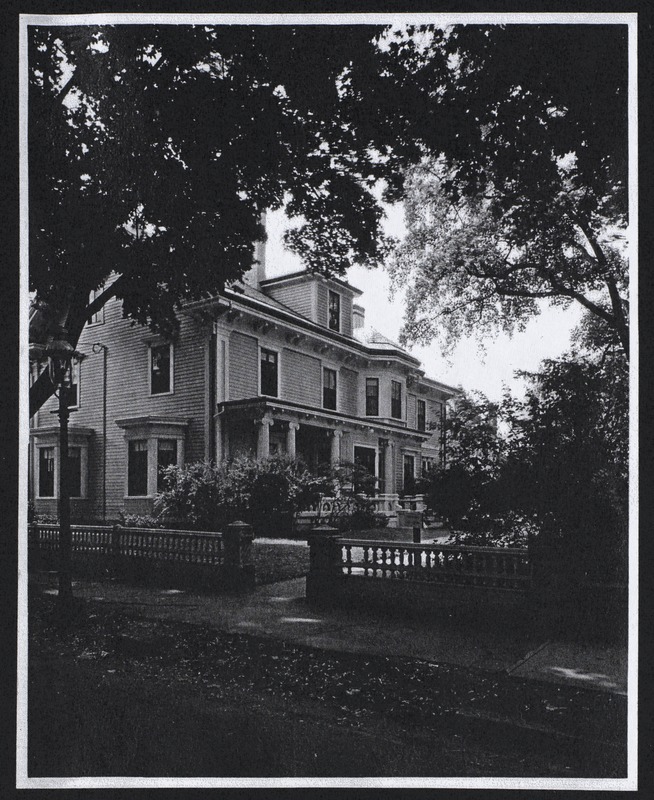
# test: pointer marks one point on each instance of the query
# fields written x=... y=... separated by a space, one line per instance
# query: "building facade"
x=271 y=366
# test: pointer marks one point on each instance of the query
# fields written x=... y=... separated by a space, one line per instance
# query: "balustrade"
x=433 y=563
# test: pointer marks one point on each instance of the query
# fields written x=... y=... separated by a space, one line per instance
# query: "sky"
x=546 y=336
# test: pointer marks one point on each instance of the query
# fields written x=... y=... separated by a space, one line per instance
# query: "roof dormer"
x=326 y=301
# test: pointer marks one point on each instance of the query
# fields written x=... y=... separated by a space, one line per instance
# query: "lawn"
x=279 y=559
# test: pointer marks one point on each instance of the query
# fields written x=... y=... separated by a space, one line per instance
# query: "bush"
x=141 y=521
x=266 y=494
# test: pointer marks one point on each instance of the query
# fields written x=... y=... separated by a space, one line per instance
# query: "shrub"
x=141 y=521
x=267 y=494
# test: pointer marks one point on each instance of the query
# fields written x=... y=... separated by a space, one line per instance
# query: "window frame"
x=39 y=495
x=325 y=388
x=338 y=310
x=98 y=317
x=171 y=367
x=395 y=383
x=421 y=418
x=369 y=380
x=175 y=461
x=146 y=450
x=269 y=350
x=81 y=485
x=75 y=367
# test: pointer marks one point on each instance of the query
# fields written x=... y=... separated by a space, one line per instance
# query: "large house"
x=272 y=365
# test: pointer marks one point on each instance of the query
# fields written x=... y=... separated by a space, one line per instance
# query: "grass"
x=279 y=560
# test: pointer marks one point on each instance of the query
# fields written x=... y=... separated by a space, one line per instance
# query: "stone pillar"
x=263 y=442
x=290 y=438
x=238 y=566
x=325 y=576
x=336 y=446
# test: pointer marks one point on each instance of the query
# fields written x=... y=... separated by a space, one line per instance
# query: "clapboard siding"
x=322 y=304
x=128 y=395
x=346 y=315
x=301 y=378
x=411 y=410
x=297 y=296
x=434 y=412
x=243 y=366
x=349 y=391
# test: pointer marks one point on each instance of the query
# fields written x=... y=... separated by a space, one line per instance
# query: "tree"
x=153 y=151
x=521 y=195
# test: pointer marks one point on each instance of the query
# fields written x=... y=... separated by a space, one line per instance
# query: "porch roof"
x=257 y=407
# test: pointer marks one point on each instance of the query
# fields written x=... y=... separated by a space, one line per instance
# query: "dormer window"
x=334 y=311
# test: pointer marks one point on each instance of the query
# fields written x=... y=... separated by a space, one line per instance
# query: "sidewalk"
x=280 y=611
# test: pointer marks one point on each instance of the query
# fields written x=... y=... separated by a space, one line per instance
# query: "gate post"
x=325 y=574
x=238 y=565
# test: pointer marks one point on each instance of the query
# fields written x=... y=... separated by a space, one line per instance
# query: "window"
x=269 y=372
x=334 y=311
x=396 y=399
x=428 y=465
x=98 y=317
x=75 y=471
x=409 y=473
x=364 y=477
x=137 y=468
x=161 y=356
x=329 y=388
x=166 y=456
x=421 y=415
x=72 y=390
x=372 y=397
x=46 y=471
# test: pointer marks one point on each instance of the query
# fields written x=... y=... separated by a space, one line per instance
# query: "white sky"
x=546 y=336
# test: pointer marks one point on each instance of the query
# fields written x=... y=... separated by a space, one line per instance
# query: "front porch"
x=262 y=428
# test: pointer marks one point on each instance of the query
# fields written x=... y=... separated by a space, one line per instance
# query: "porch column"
x=290 y=439
x=263 y=441
x=389 y=487
x=336 y=446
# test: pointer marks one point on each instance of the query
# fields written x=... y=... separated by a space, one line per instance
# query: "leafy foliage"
x=266 y=494
x=154 y=150
x=557 y=472
x=521 y=196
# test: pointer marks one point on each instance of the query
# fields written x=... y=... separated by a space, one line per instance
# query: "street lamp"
x=60 y=355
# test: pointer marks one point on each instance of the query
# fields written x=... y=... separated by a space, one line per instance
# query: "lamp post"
x=60 y=354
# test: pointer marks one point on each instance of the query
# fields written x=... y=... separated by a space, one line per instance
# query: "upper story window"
x=137 y=468
x=161 y=369
x=372 y=397
x=421 y=415
x=334 y=311
x=269 y=369
x=396 y=400
x=329 y=388
x=98 y=317
x=72 y=390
